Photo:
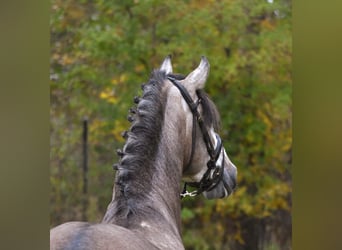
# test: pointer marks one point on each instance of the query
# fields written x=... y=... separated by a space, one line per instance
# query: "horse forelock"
x=211 y=116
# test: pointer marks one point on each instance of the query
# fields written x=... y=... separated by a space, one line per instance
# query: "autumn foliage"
x=101 y=51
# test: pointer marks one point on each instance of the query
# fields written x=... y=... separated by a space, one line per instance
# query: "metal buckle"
x=187 y=193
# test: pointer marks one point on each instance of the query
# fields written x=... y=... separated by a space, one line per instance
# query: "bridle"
x=214 y=173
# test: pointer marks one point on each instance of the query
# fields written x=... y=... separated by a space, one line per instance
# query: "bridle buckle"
x=187 y=193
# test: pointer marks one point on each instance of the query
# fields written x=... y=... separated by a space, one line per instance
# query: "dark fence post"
x=85 y=167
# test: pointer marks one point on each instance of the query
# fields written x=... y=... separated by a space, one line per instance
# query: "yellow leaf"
x=109 y=96
x=123 y=78
x=266 y=24
x=114 y=81
x=104 y=95
x=139 y=68
x=119 y=126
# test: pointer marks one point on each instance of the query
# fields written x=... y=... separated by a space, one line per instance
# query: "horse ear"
x=166 y=65
x=197 y=78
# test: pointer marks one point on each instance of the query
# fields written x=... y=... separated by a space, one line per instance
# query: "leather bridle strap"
x=193 y=107
x=213 y=174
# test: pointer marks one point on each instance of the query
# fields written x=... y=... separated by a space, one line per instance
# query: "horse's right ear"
x=197 y=78
x=166 y=65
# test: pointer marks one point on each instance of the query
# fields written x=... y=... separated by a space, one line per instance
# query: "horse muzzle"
x=225 y=187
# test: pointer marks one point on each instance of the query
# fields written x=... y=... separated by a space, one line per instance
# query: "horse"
x=171 y=139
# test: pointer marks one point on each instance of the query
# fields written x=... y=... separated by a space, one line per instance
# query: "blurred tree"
x=101 y=51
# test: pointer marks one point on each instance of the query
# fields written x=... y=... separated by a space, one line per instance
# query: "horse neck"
x=156 y=198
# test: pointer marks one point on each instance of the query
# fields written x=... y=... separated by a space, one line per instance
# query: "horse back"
x=86 y=236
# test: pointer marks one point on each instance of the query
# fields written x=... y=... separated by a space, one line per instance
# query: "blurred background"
x=101 y=52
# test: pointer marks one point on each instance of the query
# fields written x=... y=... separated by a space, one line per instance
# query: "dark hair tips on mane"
x=147 y=119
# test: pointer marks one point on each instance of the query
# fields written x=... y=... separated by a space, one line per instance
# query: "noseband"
x=214 y=173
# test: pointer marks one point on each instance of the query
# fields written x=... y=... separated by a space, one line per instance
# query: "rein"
x=214 y=172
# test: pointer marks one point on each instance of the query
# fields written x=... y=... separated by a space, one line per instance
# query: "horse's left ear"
x=166 y=65
x=197 y=78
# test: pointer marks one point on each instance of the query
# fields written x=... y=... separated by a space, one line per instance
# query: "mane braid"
x=135 y=169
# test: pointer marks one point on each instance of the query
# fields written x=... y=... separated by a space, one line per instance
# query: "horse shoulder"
x=83 y=235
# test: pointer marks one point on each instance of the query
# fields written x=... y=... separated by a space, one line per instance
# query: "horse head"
x=207 y=166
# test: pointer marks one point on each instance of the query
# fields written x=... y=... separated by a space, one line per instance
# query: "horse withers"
x=172 y=138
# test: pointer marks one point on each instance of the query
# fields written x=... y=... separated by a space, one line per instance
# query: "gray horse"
x=172 y=138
